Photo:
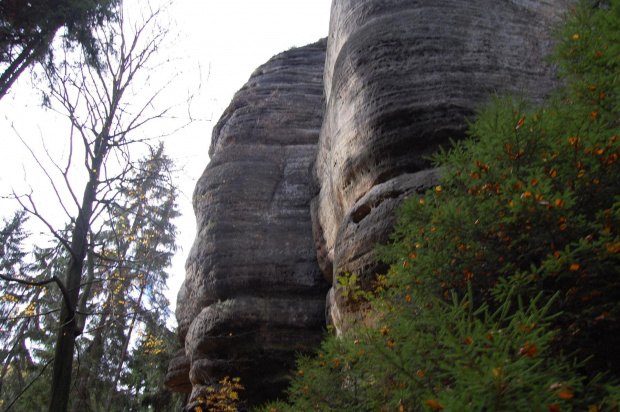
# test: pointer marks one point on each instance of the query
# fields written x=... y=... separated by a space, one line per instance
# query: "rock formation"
x=254 y=294
x=278 y=204
x=401 y=78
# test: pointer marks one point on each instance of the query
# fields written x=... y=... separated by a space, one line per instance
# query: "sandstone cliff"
x=282 y=207
x=253 y=293
x=401 y=78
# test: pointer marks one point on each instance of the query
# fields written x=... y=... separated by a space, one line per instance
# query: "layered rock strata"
x=401 y=78
x=254 y=294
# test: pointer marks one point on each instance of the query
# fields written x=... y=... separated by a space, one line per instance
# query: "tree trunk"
x=28 y=55
x=94 y=357
x=68 y=331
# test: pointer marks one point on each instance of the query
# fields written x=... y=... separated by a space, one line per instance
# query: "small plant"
x=221 y=398
x=349 y=285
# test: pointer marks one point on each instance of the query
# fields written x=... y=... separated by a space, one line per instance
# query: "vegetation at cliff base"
x=504 y=286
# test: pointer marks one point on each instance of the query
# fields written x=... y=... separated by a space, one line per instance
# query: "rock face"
x=401 y=78
x=254 y=294
x=281 y=206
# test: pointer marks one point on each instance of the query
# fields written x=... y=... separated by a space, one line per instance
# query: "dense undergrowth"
x=503 y=292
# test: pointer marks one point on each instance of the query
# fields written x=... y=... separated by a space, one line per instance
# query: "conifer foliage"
x=128 y=271
x=27 y=29
x=126 y=344
x=503 y=291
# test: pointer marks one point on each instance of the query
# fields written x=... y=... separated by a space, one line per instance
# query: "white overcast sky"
x=227 y=39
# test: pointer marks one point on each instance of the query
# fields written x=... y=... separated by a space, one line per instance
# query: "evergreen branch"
x=28 y=386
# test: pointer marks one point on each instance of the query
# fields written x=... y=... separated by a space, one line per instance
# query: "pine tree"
x=136 y=245
x=123 y=310
x=28 y=328
x=27 y=29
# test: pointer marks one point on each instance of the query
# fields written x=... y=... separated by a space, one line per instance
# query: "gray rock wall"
x=253 y=293
x=401 y=78
x=311 y=159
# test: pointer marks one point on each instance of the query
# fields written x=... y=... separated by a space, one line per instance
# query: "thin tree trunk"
x=28 y=55
x=94 y=357
x=68 y=328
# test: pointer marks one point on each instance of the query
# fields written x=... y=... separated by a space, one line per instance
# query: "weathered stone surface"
x=368 y=222
x=253 y=293
x=401 y=78
x=178 y=373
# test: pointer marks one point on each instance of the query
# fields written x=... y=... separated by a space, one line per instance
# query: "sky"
x=221 y=43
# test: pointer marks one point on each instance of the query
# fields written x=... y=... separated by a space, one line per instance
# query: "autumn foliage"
x=503 y=292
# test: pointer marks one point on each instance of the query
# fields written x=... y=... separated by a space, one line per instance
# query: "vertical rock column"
x=254 y=294
x=401 y=78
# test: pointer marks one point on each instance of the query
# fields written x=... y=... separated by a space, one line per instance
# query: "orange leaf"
x=554 y=408
x=603 y=315
x=565 y=394
x=613 y=247
x=529 y=351
x=420 y=373
x=434 y=404
x=574 y=267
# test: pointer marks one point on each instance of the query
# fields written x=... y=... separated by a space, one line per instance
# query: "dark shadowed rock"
x=254 y=294
x=177 y=377
x=401 y=78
